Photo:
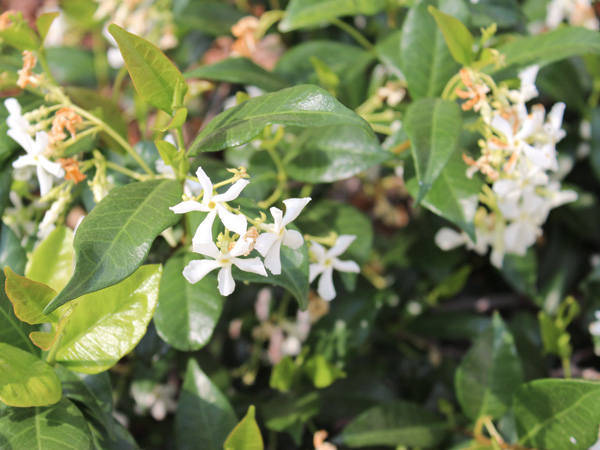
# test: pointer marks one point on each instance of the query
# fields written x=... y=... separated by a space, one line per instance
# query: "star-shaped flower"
x=214 y=205
x=327 y=261
x=269 y=244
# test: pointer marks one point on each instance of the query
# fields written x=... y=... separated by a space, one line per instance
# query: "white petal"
x=277 y=219
x=232 y=193
x=326 y=289
x=273 y=258
x=41 y=142
x=341 y=245
x=447 y=239
x=506 y=189
x=254 y=265
x=264 y=242
x=45 y=180
x=240 y=248
x=24 y=161
x=314 y=270
x=345 y=266
x=233 y=222
x=502 y=125
x=207 y=249
x=188 y=206
x=226 y=282
x=318 y=251
x=555 y=116
x=293 y=239
x=293 y=208
x=13 y=106
x=23 y=139
x=197 y=269
x=206 y=184
x=204 y=232
x=519 y=236
x=51 y=167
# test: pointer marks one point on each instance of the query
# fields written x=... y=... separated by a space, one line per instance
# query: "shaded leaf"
x=246 y=434
x=11 y=252
x=29 y=298
x=212 y=17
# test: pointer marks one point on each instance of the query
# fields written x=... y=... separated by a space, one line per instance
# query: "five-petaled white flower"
x=269 y=244
x=15 y=120
x=213 y=205
x=327 y=261
x=197 y=269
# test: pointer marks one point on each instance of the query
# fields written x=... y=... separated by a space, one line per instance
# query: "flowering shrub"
x=394 y=243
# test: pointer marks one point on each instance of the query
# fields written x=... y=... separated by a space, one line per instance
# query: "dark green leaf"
x=204 y=416
x=458 y=38
x=114 y=239
x=123 y=440
x=558 y=414
x=595 y=143
x=5 y=183
x=302 y=106
x=520 y=272
x=246 y=434
x=212 y=17
x=489 y=373
x=284 y=412
x=504 y=13
x=11 y=252
x=388 y=52
x=72 y=65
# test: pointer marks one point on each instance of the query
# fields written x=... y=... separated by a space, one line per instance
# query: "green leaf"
x=5 y=183
x=12 y=330
x=388 y=52
x=19 y=34
x=29 y=298
x=57 y=427
x=309 y=13
x=595 y=142
x=284 y=374
x=25 y=380
x=72 y=65
x=396 y=424
x=520 y=272
x=557 y=414
x=155 y=77
x=52 y=261
x=11 y=252
x=334 y=153
x=239 y=71
x=44 y=22
x=453 y=195
x=123 y=439
x=489 y=373
x=187 y=313
x=321 y=372
x=427 y=62
x=285 y=412
x=115 y=238
x=212 y=17
x=246 y=434
x=433 y=126
x=204 y=416
x=458 y=38
x=105 y=326
x=301 y=106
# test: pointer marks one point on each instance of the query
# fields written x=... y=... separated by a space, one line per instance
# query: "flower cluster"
x=518 y=154
x=577 y=12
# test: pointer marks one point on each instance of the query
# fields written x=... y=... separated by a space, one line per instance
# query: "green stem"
x=281 y=178
x=44 y=63
x=100 y=59
x=179 y=136
x=358 y=37
x=566 y=363
x=125 y=171
x=117 y=84
x=450 y=87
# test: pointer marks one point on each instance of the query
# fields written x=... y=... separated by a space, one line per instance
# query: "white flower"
x=16 y=121
x=213 y=205
x=269 y=244
x=528 y=90
x=327 y=261
x=511 y=189
x=34 y=158
x=190 y=188
x=196 y=270
x=448 y=239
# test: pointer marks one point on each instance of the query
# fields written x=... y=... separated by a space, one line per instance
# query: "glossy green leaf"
x=427 y=62
x=453 y=195
x=204 y=416
x=44 y=22
x=396 y=424
x=12 y=330
x=57 y=427
x=153 y=74
x=331 y=154
x=309 y=13
x=187 y=313
x=52 y=261
x=25 y=380
x=115 y=238
x=19 y=34
x=29 y=298
x=433 y=126
x=489 y=373
x=105 y=326
x=302 y=106
x=123 y=439
x=246 y=434
x=557 y=414
x=458 y=37
x=388 y=52
x=239 y=71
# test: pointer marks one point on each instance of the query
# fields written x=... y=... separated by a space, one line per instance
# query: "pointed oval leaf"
x=12 y=330
x=115 y=238
x=396 y=424
x=489 y=373
x=26 y=380
x=29 y=298
x=458 y=37
x=204 y=416
x=154 y=76
x=52 y=261
x=557 y=414
x=301 y=106
x=105 y=326
x=433 y=126
x=246 y=434
x=57 y=427
x=187 y=313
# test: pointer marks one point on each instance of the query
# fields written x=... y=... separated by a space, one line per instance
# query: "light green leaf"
x=115 y=238
x=105 y=326
x=204 y=416
x=458 y=37
x=321 y=372
x=453 y=195
x=167 y=151
x=187 y=313
x=331 y=154
x=309 y=13
x=489 y=373
x=155 y=77
x=433 y=126
x=52 y=261
x=396 y=424
x=301 y=106
x=19 y=34
x=246 y=434
x=557 y=414
x=25 y=380
x=56 y=427
x=29 y=298
x=427 y=62
x=239 y=71
x=44 y=22
x=283 y=374
x=12 y=330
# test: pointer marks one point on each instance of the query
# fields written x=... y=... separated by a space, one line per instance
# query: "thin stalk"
x=125 y=171
x=358 y=37
x=118 y=83
x=45 y=67
x=281 y=179
x=566 y=364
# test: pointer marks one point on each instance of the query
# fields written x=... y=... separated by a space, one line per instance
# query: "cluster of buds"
x=518 y=153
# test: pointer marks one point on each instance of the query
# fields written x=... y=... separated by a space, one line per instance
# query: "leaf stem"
x=281 y=178
x=128 y=172
x=566 y=363
x=358 y=37
x=44 y=63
